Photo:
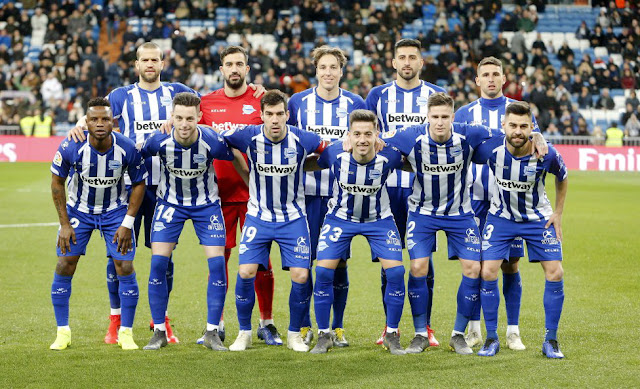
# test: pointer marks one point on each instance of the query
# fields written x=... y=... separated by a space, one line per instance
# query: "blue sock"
x=383 y=289
x=512 y=291
x=129 y=295
x=323 y=295
x=60 y=293
x=299 y=300
x=394 y=296
x=430 y=281
x=553 y=300
x=112 y=284
x=490 y=299
x=170 y=275
x=306 y=320
x=340 y=293
x=216 y=289
x=158 y=294
x=245 y=300
x=468 y=297
x=418 y=297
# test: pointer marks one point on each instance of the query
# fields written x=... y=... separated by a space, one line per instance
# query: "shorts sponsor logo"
x=155 y=281
x=357 y=189
x=548 y=238
x=165 y=100
x=374 y=174
x=247 y=109
x=514 y=186
x=392 y=238
x=199 y=158
x=455 y=151
x=243 y=248
x=158 y=226
x=438 y=169
x=322 y=246
x=275 y=170
x=57 y=159
x=302 y=246
x=341 y=112
x=529 y=171
x=404 y=119
x=290 y=152
x=329 y=133
x=147 y=126
x=422 y=100
x=100 y=182
x=471 y=237
x=215 y=223
x=114 y=165
x=186 y=173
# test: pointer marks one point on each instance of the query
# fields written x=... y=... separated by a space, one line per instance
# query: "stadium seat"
x=617 y=59
x=601 y=52
x=619 y=101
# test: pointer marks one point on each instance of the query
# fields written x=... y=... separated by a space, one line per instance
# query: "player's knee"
x=245 y=273
x=510 y=266
x=471 y=269
x=554 y=273
x=489 y=273
x=299 y=275
x=420 y=267
x=66 y=266
x=124 y=268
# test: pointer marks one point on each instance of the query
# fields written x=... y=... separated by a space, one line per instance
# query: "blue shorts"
x=317 y=208
x=481 y=210
x=168 y=221
x=146 y=210
x=399 y=201
x=291 y=236
x=463 y=236
x=107 y=223
x=498 y=233
x=382 y=235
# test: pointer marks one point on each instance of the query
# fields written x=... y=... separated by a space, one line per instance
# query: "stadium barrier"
x=600 y=158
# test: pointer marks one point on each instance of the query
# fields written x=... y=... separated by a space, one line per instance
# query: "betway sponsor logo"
x=620 y=160
x=186 y=173
x=437 y=169
x=275 y=170
x=357 y=189
x=514 y=186
x=404 y=119
x=100 y=182
x=329 y=132
x=227 y=126
x=147 y=126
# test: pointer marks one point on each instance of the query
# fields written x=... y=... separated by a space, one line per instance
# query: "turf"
x=597 y=329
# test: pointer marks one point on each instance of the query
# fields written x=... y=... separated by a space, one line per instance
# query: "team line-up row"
x=482 y=169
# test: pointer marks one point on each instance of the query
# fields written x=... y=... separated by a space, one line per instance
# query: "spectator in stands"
x=628 y=112
x=508 y=23
x=597 y=38
x=51 y=89
x=583 y=31
x=581 y=127
x=585 y=99
x=632 y=127
x=628 y=81
x=525 y=23
x=605 y=101
x=614 y=136
x=633 y=100
x=77 y=23
x=603 y=19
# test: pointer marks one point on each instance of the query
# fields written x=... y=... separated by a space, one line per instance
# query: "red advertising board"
x=600 y=158
x=16 y=148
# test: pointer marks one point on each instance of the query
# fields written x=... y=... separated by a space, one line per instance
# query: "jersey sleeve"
x=239 y=138
x=136 y=168
x=293 y=111
x=151 y=146
x=482 y=153
x=179 y=88
x=395 y=157
x=461 y=115
x=330 y=154
x=358 y=103
x=117 y=98
x=310 y=141
x=403 y=139
x=371 y=103
x=61 y=164
x=535 y=123
x=219 y=148
x=477 y=134
x=557 y=166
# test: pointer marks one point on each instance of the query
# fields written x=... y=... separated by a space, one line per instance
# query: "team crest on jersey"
x=341 y=112
x=374 y=174
x=247 y=109
x=114 y=165
x=529 y=171
x=455 y=151
x=421 y=100
x=57 y=159
x=302 y=247
x=290 y=152
x=215 y=223
x=165 y=100
x=199 y=158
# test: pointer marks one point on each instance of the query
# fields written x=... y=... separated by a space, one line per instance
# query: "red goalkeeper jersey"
x=225 y=113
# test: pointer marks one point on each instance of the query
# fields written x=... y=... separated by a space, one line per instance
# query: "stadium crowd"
x=51 y=49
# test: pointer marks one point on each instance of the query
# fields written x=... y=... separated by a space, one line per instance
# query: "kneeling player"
x=187 y=190
x=97 y=200
x=521 y=208
x=360 y=206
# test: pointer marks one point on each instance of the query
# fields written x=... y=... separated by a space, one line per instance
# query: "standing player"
x=520 y=207
x=489 y=111
x=187 y=190
x=399 y=104
x=325 y=110
x=230 y=108
x=140 y=108
x=276 y=212
x=360 y=206
x=97 y=200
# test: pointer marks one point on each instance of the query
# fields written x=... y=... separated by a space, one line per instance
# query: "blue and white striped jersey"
x=520 y=194
x=187 y=176
x=397 y=108
x=360 y=194
x=141 y=112
x=276 y=175
x=95 y=182
x=490 y=113
x=440 y=187
x=330 y=120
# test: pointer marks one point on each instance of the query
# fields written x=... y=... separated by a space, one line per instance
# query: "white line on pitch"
x=29 y=225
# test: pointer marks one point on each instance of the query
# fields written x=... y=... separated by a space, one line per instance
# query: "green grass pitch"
x=598 y=329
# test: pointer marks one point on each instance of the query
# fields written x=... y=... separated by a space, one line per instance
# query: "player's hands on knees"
x=76 y=134
x=165 y=128
x=556 y=221
x=540 y=146
x=258 y=88
x=124 y=240
x=65 y=235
